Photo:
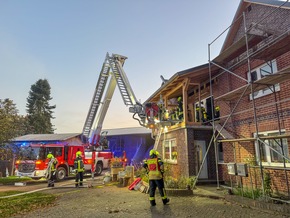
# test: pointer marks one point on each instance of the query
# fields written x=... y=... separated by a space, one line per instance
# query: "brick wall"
x=187 y=153
x=176 y=170
x=269 y=116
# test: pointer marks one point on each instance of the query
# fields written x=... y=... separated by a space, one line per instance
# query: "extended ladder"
x=116 y=63
x=157 y=139
x=113 y=68
x=100 y=87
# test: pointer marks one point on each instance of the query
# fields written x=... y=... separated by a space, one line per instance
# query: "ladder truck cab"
x=33 y=162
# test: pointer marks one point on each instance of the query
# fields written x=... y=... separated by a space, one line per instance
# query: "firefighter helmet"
x=153 y=152
x=50 y=156
x=179 y=98
x=79 y=153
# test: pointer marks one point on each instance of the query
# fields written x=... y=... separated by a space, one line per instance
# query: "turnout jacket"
x=155 y=168
x=79 y=165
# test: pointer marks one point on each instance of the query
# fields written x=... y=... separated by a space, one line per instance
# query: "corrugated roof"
x=46 y=137
x=127 y=131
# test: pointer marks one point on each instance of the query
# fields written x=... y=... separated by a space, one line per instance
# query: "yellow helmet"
x=79 y=153
x=152 y=152
x=179 y=99
x=49 y=156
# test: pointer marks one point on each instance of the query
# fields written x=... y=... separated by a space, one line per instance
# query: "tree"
x=38 y=108
x=8 y=117
x=11 y=126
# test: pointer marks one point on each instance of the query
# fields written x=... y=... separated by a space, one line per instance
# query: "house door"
x=201 y=150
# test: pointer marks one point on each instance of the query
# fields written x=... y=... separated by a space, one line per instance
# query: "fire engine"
x=33 y=161
x=95 y=155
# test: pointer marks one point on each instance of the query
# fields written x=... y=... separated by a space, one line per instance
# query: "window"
x=170 y=150
x=55 y=151
x=220 y=152
x=260 y=72
x=268 y=155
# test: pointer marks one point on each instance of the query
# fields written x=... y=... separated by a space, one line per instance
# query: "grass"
x=24 y=203
x=12 y=179
x=248 y=193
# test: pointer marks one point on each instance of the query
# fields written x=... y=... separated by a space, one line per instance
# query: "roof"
x=239 y=13
x=127 y=131
x=46 y=137
x=66 y=136
x=277 y=3
x=196 y=75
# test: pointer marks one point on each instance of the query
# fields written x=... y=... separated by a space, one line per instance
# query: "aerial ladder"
x=112 y=72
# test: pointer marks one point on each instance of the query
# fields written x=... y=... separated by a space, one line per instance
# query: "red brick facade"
x=241 y=116
x=269 y=116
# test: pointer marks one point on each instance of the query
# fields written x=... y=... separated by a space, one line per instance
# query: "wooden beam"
x=184 y=98
x=174 y=90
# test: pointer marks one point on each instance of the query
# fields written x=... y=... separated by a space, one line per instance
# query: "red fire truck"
x=33 y=161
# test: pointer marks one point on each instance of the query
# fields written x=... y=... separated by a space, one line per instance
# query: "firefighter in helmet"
x=155 y=168
x=179 y=108
x=217 y=112
x=51 y=170
x=200 y=112
x=79 y=169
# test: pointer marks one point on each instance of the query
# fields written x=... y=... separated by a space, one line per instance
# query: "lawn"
x=23 y=203
x=12 y=179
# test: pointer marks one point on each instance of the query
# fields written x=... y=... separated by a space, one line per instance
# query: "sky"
x=66 y=43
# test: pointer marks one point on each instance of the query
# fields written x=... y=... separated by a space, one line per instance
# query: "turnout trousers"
x=153 y=184
x=79 y=179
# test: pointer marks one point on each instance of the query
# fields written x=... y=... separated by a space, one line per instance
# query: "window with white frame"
x=170 y=150
x=268 y=155
x=260 y=72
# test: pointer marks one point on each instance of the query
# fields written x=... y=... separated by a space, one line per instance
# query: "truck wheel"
x=99 y=169
x=61 y=173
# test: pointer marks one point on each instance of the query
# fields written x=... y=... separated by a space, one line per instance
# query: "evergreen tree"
x=38 y=108
x=11 y=124
x=8 y=115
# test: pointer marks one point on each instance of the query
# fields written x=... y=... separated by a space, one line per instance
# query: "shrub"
x=181 y=183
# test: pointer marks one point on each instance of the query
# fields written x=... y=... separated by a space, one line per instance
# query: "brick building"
x=236 y=108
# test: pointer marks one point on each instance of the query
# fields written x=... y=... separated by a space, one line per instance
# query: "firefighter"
x=79 y=169
x=172 y=114
x=51 y=170
x=155 y=169
x=217 y=112
x=179 y=108
x=203 y=112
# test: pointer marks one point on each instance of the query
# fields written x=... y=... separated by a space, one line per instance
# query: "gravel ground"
x=114 y=201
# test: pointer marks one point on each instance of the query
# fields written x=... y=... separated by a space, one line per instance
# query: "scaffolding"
x=258 y=39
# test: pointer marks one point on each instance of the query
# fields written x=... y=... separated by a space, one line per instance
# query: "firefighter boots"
x=165 y=201
x=152 y=202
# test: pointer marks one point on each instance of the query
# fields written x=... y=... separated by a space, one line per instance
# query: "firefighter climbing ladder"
x=113 y=68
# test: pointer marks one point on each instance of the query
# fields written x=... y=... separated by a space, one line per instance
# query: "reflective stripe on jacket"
x=154 y=168
x=79 y=165
x=53 y=164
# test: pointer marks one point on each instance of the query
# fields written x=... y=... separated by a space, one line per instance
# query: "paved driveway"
x=114 y=201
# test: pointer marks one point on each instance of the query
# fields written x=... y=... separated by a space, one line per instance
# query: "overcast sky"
x=66 y=42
